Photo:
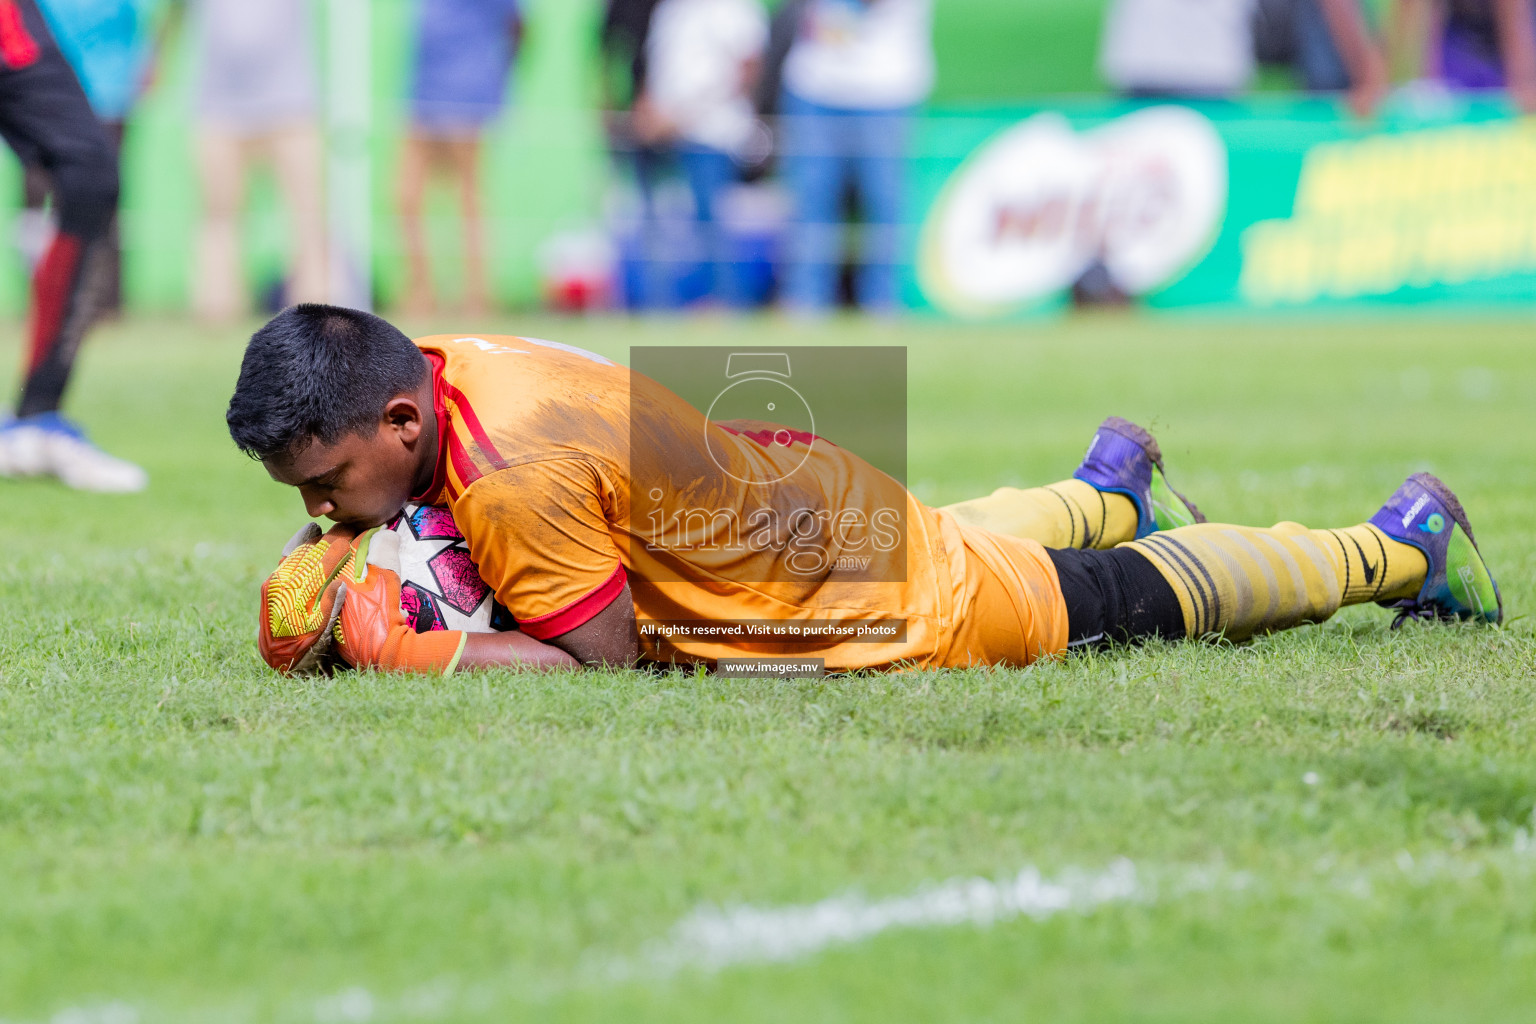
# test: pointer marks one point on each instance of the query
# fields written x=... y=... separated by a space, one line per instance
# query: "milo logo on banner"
x=1031 y=210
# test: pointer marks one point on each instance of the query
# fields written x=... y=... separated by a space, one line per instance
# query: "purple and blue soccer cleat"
x=1124 y=459
x=1425 y=514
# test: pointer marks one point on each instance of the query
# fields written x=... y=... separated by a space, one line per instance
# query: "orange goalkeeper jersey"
x=570 y=475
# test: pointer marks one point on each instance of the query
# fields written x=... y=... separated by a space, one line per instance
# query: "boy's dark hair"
x=317 y=371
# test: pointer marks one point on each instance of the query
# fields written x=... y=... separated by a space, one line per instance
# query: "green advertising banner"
x=1267 y=204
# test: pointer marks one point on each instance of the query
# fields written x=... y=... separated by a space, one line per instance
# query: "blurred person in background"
x=107 y=44
x=256 y=101
x=1305 y=35
x=1470 y=44
x=464 y=54
x=704 y=57
x=1207 y=48
x=626 y=26
x=47 y=120
x=783 y=27
x=625 y=71
x=853 y=79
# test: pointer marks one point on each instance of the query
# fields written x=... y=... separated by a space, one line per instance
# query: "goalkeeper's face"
x=364 y=478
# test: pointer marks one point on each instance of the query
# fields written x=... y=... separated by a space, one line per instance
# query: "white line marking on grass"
x=347 y=1007
x=106 y=1013
x=713 y=938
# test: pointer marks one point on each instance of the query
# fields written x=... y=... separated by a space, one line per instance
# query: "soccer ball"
x=440 y=588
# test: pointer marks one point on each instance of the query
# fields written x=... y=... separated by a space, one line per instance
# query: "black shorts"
x=1115 y=596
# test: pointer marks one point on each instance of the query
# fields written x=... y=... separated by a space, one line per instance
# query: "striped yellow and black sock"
x=1071 y=514
x=1236 y=581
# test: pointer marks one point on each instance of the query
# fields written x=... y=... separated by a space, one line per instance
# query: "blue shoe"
x=21 y=449
x=1124 y=459
x=49 y=445
x=1425 y=514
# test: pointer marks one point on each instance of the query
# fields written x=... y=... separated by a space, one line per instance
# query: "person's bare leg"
x=415 y=169
x=218 y=293
x=464 y=159
x=297 y=163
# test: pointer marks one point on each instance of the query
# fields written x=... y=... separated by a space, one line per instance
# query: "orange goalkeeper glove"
x=300 y=602
x=372 y=630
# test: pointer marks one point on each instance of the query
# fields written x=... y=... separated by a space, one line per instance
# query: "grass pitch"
x=1332 y=824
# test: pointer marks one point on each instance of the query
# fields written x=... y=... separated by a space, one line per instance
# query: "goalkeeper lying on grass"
x=617 y=525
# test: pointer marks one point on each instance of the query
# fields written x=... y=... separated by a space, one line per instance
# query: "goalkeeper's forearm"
x=518 y=650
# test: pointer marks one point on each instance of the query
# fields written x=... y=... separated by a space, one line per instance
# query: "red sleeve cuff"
x=578 y=612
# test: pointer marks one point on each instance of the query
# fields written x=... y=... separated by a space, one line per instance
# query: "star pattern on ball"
x=453 y=570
